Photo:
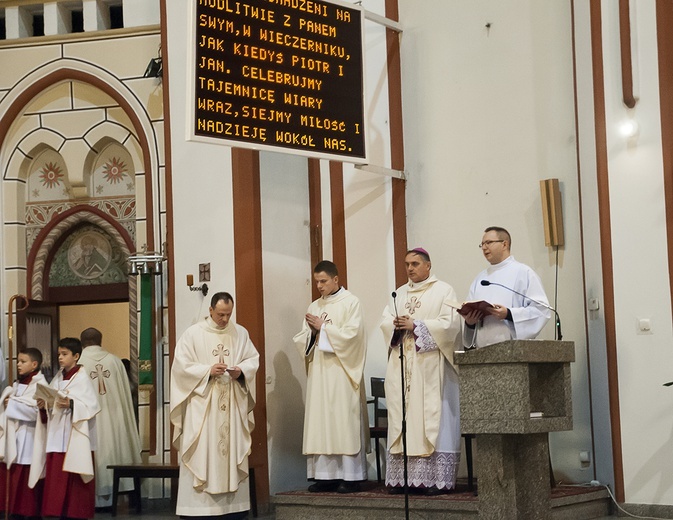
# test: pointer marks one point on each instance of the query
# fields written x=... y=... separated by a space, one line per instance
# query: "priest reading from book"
x=212 y=397
x=332 y=345
x=513 y=316
x=118 y=441
x=422 y=322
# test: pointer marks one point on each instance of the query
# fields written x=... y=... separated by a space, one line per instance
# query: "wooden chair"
x=380 y=430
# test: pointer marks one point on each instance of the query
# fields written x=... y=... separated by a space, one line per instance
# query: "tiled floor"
x=154 y=509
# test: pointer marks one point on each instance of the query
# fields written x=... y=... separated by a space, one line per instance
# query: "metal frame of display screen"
x=279 y=75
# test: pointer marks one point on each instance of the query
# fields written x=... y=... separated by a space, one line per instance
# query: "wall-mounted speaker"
x=552 y=212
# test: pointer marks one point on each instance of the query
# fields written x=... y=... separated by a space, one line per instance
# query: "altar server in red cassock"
x=67 y=438
x=18 y=415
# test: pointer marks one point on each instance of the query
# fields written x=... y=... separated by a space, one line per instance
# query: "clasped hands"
x=499 y=311
x=403 y=323
x=219 y=369
x=315 y=322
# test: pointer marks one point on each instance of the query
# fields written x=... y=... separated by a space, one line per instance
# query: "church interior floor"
x=162 y=509
x=158 y=509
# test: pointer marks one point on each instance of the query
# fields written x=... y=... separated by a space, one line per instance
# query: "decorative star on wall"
x=36 y=193
x=99 y=189
x=51 y=175
x=114 y=170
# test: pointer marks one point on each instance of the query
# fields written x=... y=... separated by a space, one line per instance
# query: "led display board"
x=283 y=75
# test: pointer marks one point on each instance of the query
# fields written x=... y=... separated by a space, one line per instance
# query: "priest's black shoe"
x=435 y=491
x=396 y=490
x=323 y=485
x=347 y=486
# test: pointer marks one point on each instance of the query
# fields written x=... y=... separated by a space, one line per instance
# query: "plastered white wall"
x=489 y=112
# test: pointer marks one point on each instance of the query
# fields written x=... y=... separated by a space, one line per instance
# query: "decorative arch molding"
x=21 y=94
x=30 y=145
x=56 y=229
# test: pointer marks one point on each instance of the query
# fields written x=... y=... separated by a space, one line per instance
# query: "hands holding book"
x=476 y=310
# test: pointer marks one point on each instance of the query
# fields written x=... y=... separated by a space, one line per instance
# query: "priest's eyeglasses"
x=488 y=243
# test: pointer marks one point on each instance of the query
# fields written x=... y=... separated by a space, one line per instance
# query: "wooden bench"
x=136 y=472
x=159 y=470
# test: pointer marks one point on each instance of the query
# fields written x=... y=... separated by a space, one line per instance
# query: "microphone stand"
x=557 y=333
x=404 y=415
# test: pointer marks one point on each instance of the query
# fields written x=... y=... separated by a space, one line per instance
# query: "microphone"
x=397 y=316
x=486 y=283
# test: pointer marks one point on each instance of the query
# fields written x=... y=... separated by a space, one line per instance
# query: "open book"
x=467 y=307
x=47 y=394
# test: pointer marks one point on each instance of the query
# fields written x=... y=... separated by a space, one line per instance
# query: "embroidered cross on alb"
x=101 y=375
x=412 y=305
x=325 y=318
x=220 y=352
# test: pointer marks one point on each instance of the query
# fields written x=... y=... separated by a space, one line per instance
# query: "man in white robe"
x=424 y=326
x=333 y=347
x=212 y=397
x=514 y=316
x=118 y=440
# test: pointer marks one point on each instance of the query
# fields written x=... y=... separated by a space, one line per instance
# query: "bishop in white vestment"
x=332 y=344
x=118 y=440
x=515 y=316
x=423 y=324
x=212 y=398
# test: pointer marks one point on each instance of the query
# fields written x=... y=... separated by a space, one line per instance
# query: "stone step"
x=374 y=503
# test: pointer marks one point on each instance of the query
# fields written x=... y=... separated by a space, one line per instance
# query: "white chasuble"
x=17 y=421
x=68 y=430
x=212 y=418
x=425 y=367
x=528 y=317
x=116 y=428
x=335 y=412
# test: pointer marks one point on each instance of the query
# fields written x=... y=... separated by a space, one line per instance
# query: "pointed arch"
x=59 y=71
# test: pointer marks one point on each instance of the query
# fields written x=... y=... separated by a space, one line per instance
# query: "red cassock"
x=65 y=494
x=23 y=500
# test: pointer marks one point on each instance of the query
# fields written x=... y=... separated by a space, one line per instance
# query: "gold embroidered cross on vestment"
x=101 y=374
x=220 y=352
x=412 y=305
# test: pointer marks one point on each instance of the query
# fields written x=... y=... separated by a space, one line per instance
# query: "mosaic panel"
x=88 y=256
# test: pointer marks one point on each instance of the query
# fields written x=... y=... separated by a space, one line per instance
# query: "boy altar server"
x=66 y=437
x=332 y=344
x=18 y=415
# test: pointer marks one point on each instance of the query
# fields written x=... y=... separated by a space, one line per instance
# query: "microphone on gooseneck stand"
x=559 y=336
x=405 y=457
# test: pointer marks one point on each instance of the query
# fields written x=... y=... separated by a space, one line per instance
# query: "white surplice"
x=212 y=418
x=528 y=317
x=68 y=430
x=17 y=422
x=335 y=417
x=118 y=440
x=431 y=386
